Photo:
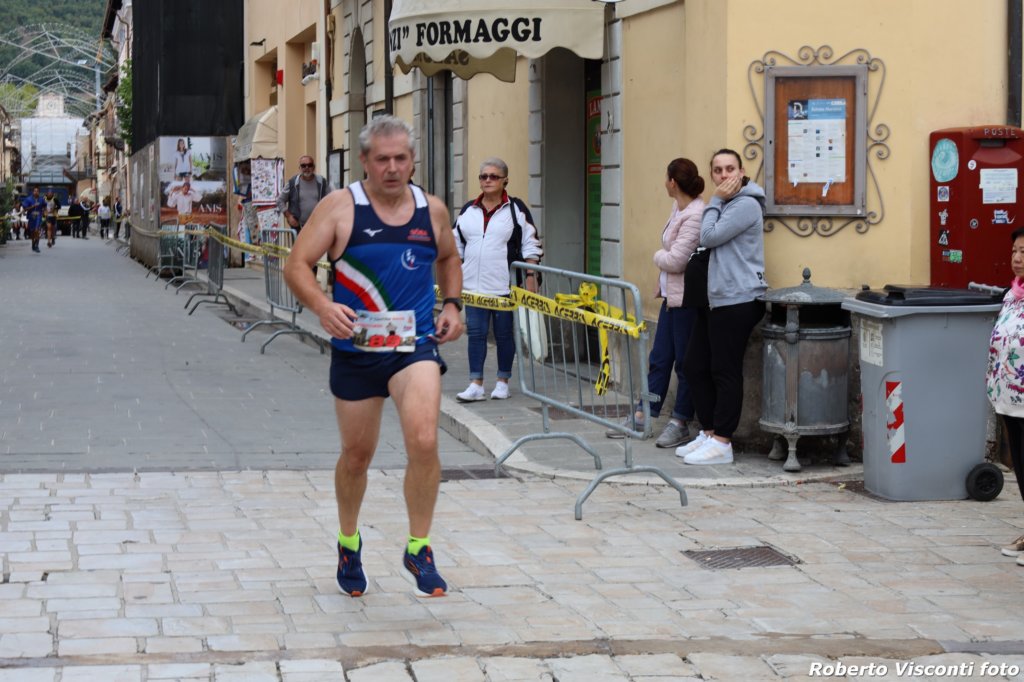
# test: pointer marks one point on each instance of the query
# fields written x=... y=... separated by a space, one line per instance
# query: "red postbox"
x=973 y=204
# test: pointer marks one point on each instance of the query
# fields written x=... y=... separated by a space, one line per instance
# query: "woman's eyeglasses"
x=491 y=176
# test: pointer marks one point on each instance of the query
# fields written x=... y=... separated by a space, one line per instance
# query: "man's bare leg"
x=359 y=425
x=416 y=391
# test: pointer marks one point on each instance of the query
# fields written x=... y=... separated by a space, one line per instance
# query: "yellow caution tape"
x=233 y=243
x=584 y=307
x=481 y=300
x=587 y=309
x=574 y=309
x=268 y=249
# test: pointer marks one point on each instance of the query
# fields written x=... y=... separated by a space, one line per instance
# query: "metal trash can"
x=923 y=353
x=806 y=352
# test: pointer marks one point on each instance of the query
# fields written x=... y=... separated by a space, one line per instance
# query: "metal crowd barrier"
x=190 y=250
x=572 y=325
x=214 y=273
x=276 y=244
x=167 y=251
x=124 y=246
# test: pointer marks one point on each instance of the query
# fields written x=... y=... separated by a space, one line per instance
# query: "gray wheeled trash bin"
x=923 y=353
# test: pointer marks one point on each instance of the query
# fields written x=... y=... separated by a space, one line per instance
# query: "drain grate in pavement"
x=466 y=473
x=740 y=557
x=613 y=411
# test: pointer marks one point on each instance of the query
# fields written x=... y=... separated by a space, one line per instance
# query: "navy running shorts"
x=357 y=376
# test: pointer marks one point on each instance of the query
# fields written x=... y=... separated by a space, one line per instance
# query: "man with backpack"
x=302 y=193
x=491 y=232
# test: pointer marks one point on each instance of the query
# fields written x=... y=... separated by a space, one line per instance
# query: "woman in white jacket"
x=483 y=231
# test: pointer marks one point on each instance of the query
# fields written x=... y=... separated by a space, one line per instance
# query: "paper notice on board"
x=817 y=140
x=998 y=185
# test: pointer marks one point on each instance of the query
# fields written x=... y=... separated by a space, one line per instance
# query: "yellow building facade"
x=588 y=138
x=677 y=78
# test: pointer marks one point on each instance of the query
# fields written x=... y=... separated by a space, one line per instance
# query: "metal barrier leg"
x=187 y=282
x=629 y=468
x=214 y=273
x=216 y=300
x=544 y=436
x=298 y=332
x=586 y=356
x=260 y=324
x=596 y=481
x=277 y=243
x=198 y=293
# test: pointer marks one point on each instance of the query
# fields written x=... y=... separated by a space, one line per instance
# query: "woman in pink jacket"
x=678 y=241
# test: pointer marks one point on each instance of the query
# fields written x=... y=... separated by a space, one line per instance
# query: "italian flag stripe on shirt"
x=363 y=283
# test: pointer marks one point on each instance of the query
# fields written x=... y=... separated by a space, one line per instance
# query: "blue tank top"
x=385 y=267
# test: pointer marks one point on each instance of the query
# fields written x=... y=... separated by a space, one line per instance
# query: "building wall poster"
x=193 y=180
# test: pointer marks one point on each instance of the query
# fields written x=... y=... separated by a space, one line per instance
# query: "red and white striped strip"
x=897 y=438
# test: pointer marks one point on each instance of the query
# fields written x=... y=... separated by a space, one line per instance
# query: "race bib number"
x=391 y=331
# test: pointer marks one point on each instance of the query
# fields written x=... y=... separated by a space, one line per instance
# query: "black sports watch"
x=457 y=302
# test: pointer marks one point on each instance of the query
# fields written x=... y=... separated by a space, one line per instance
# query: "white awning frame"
x=475 y=36
x=258 y=137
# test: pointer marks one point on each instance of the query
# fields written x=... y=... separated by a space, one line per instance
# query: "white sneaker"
x=473 y=393
x=500 y=391
x=684 y=450
x=1015 y=548
x=712 y=452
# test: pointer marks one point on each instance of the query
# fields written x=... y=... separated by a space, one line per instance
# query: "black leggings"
x=1015 y=436
x=714 y=364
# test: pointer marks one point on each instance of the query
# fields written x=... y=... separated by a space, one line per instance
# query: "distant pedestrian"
x=34 y=207
x=75 y=214
x=84 y=209
x=301 y=193
x=17 y=221
x=104 y=213
x=1005 y=377
x=118 y=218
x=487 y=231
x=52 y=206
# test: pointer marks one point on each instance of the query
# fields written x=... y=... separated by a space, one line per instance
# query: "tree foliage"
x=124 y=103
x=85 y=16
x=7 y=197
x=19 y=100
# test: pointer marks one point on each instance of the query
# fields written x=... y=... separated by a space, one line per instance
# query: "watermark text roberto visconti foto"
x=914 y=669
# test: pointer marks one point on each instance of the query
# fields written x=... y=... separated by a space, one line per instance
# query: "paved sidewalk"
x=207 y=570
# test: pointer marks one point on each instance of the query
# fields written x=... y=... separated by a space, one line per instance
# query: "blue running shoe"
x=429 y=582
x=351 y=579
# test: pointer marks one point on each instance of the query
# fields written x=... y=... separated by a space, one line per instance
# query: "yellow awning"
x=485 y=36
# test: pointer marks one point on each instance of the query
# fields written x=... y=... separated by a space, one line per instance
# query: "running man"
x=383 y=235
x=34 y=206
x=52 y=205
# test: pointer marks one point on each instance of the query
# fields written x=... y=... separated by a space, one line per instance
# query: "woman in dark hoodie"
x=733 y=229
